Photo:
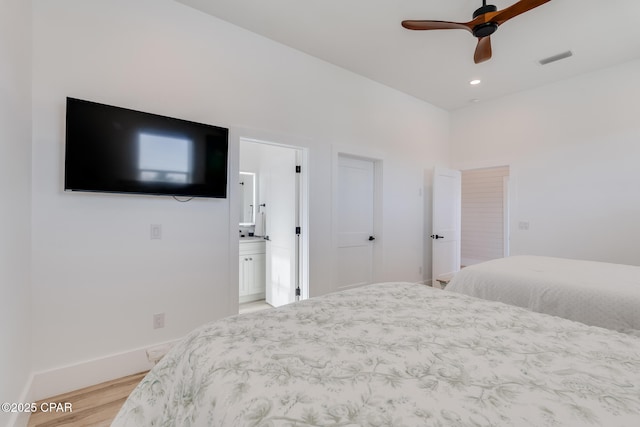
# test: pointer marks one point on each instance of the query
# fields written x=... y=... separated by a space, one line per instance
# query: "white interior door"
x=354 y=225
x=280 y=210
x=446 y=224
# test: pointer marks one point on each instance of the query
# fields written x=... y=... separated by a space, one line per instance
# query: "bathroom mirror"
x=247 y=198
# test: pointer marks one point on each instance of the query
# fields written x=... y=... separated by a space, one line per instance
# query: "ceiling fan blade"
x=436 y=25
x=502 y=16
x=483 y=50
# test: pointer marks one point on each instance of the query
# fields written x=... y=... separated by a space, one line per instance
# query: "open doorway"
x=485 y=214
x=273 y=263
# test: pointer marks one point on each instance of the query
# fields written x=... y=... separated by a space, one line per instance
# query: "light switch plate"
x=156 y=231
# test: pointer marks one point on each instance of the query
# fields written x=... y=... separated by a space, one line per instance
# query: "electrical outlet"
x=523 y=225
x=158 y=321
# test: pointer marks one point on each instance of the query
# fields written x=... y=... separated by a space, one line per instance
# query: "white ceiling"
x=365 y=37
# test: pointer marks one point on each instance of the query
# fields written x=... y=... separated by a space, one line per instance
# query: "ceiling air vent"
x=555 y=58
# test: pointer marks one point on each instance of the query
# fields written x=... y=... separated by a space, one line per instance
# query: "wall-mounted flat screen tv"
x=116 y=150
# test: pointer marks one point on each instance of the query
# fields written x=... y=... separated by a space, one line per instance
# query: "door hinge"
x=298 y=230
x=297 y=292
x=298 y=169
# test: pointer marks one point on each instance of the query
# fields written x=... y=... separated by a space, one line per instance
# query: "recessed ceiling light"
x=475 y=82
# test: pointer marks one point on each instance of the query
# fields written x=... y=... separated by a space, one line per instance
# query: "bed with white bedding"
x=393 y=354
x=594 y=293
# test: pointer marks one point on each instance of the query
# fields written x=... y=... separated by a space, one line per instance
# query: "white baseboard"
x=91 y=372
x=22 y=419
x=250 y=298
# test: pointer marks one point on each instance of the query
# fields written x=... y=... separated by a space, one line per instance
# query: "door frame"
x=377 y=157
x=302 y=154
x=506 y=249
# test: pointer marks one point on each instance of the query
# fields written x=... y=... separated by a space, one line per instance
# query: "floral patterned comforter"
x=393 y=354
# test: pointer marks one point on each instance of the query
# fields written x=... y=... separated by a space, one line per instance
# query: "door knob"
x=435 y=236
x=371 y=238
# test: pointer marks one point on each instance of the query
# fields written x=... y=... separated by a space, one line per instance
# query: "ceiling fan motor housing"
x=487 y=28
x=484 y=30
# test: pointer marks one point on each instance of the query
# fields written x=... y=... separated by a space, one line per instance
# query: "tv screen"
x=117 y=150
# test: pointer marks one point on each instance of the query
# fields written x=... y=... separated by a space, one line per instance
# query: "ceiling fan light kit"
x=485 y=22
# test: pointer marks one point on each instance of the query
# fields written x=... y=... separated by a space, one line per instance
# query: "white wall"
x=98 y=278
x=15 y=187
x=574 y=151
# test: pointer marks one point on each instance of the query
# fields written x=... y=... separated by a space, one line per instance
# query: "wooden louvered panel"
x=482 y=230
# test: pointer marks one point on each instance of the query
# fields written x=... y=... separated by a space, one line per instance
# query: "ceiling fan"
x=485 y=22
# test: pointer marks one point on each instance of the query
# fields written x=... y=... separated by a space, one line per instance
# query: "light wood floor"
x=94 y=406
x=249 y=307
